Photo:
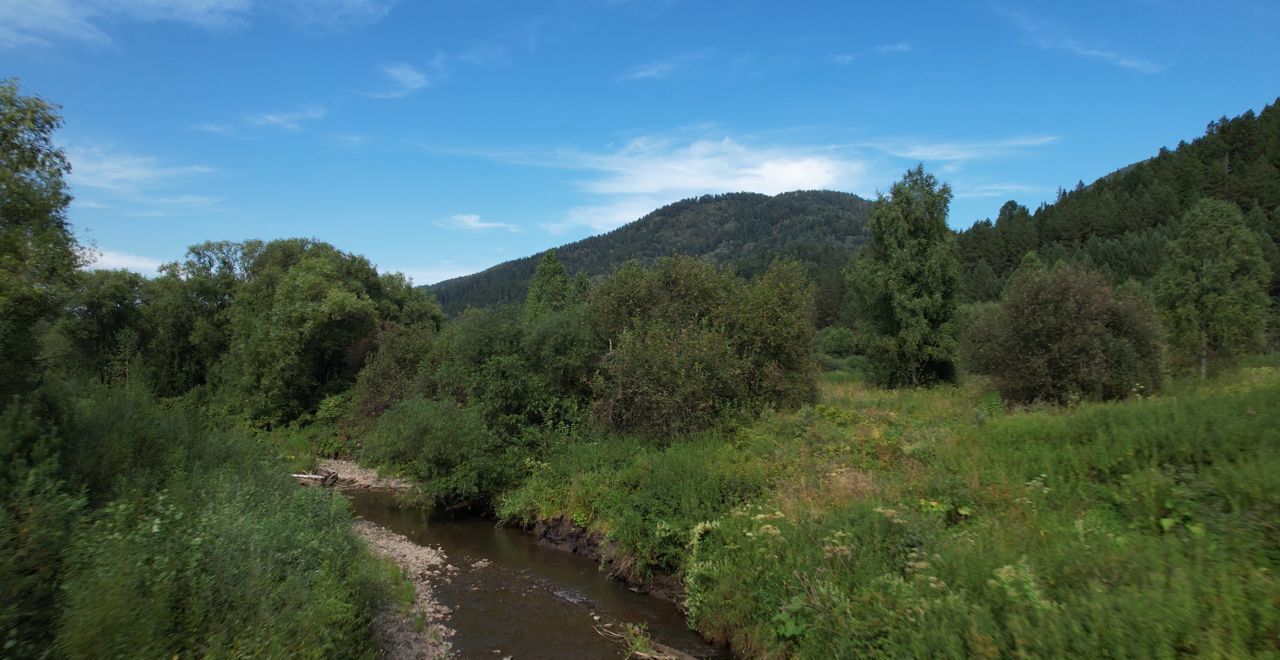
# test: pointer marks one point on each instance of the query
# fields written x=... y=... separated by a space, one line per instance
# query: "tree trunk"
x=1204 y=365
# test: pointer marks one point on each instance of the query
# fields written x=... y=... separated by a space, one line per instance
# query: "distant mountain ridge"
x=747 y=231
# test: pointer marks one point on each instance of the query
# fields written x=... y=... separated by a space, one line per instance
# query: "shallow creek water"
x=512 y=597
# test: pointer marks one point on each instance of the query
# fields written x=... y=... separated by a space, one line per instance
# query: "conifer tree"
x=905 y=282
x=1213 y=287
x=550 y=289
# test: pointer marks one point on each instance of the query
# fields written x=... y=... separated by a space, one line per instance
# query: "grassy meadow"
x=940 y=523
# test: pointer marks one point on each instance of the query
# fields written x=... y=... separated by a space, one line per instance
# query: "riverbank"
x=412 y=631
x=415 y=633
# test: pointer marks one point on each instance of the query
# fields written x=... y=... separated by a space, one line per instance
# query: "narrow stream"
x=515 y=598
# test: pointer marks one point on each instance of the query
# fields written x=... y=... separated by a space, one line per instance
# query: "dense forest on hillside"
x=1120 y=224
x=745 y=231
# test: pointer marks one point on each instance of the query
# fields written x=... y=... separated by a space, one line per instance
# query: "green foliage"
x=186 y=541
x=443 y=446
x=38 y=253
x=302 y=324
x=836 y=342
x=37 y=518
x=669 y=380
x=644 y=498
x=103 y=308
x=906 y=281
x=222 y=568
x=837 y=348
x=391 y=372
x=981 y=284
x=1066 y=335
x=1213 y=288
x=550 y=290
x=690 y=343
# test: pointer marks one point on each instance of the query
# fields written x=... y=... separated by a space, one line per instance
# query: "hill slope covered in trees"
x=744 y=230
x=1120 y=224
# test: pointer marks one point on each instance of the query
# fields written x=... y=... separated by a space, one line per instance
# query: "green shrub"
x=444 y=447
x=669 y=380
x=690 y=343
x=836 y=342
x=390 y=374
x=1065 y=335
x=38 y=515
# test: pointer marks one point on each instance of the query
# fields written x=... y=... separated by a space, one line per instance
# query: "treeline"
x=746 y=231
x=261 y=332
x=140 y=516
x=1059 y=332
x=1120 y=226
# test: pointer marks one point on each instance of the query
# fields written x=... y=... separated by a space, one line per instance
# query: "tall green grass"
x=131 y=528
x=1142 y=529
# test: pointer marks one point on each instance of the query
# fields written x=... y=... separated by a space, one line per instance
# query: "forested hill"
x=1120 y=224
x=744 y=230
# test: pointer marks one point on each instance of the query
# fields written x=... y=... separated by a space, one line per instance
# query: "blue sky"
x=440 y=138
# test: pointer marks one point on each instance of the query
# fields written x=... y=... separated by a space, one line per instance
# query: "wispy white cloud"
x=624 y=182
x=650 y=165
x=291 y=120
x=121 y=172
x=255 y=124
x=113 y=260
x=485 y=54
x=403 y=79
x=347 y=140
x=664 y=68
x=26 y=23
x=1047 y=35
x=610 y=215
x=959 y=151
x=884 y=49
x=1001 y=190
x=335 y=15
x=219 y=128
x=143 y=185
x=473 y=222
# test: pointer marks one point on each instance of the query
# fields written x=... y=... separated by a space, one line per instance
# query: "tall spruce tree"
x=905 y=282
x=1213 y=287
x=550 y=288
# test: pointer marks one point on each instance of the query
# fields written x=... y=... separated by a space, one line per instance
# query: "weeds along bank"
x=131 y=528
x=932 y=524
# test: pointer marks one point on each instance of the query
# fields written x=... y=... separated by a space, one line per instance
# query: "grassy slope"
x=934 y=523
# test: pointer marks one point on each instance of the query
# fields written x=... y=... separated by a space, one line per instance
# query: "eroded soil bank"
x=563 y=534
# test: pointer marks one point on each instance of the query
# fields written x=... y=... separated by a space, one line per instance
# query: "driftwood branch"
x=322 y=478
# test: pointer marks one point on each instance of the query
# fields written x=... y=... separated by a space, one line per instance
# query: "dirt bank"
x=417 y=633
x=352 y=475
x=566 y=535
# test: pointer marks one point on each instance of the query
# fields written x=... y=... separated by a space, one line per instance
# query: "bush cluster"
x=1063 y=335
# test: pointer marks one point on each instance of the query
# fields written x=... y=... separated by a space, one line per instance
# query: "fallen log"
x=323 y=478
